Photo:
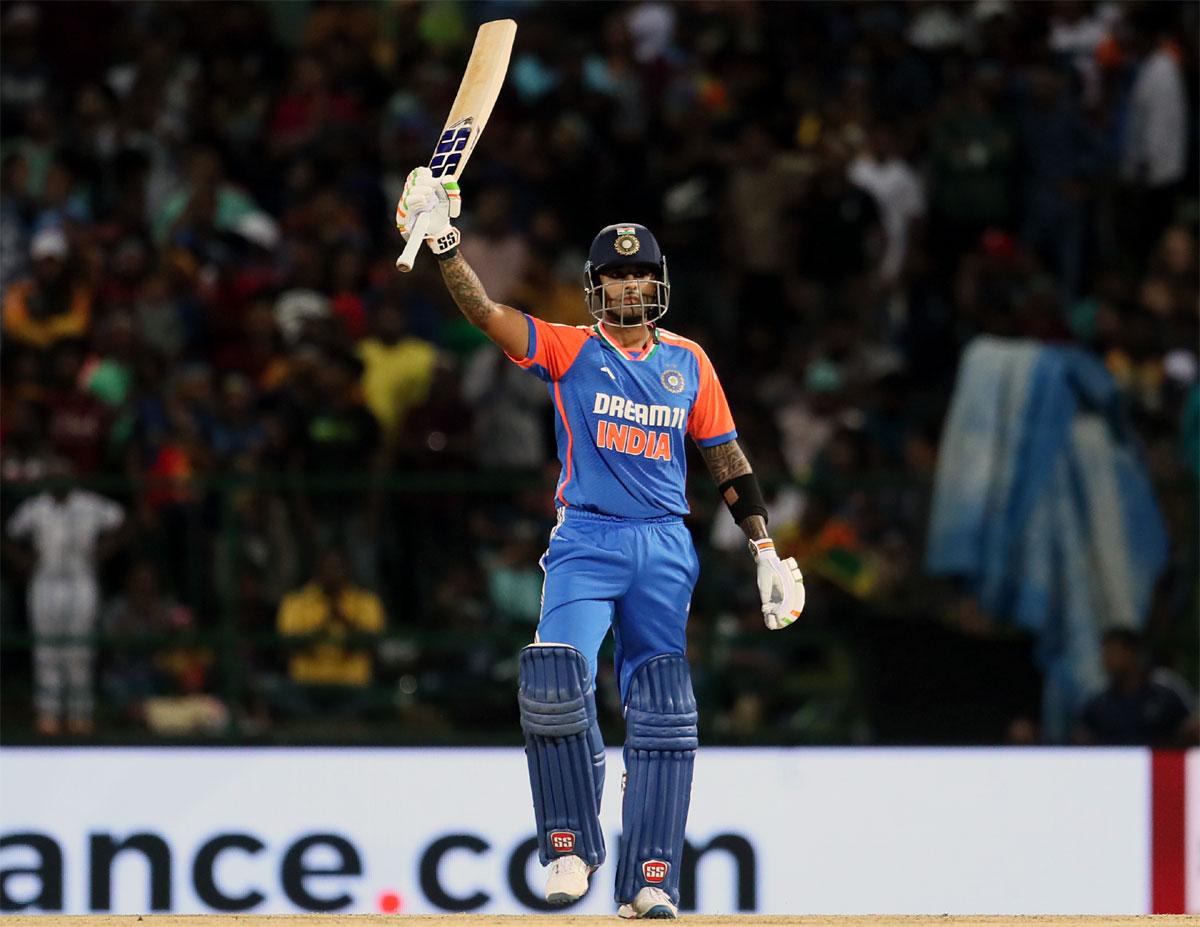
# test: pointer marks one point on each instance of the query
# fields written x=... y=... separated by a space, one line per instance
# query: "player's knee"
x=555 y=693
x=660 y=710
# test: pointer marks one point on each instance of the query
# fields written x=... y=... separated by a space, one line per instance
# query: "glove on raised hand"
x=440 y=201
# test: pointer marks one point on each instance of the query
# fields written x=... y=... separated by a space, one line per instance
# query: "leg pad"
x=564 y=750
x=660 y=750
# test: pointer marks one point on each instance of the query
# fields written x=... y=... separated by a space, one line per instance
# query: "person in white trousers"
x=70 y=530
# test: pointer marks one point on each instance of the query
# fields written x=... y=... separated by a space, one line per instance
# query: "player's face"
x=628 y=291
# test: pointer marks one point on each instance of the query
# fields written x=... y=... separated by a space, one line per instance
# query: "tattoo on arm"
x=755 y=527
x=725 y=461
x=468 y=292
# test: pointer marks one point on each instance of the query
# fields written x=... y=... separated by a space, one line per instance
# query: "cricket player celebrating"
x=626 y=392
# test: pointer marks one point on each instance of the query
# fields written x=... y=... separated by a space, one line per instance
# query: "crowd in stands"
x=202 y=320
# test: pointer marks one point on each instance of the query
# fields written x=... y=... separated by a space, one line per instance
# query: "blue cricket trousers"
x=633 y=575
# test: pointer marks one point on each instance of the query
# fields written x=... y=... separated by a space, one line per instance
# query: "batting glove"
x=440 y=200
x=780 y=584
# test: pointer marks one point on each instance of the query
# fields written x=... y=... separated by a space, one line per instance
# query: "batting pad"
x=660 y=748
x=565 y=751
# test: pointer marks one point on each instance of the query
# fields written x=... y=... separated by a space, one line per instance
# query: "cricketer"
x=626 y=392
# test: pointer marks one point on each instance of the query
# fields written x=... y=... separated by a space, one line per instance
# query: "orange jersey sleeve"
x=710 y=422
x=552 y=348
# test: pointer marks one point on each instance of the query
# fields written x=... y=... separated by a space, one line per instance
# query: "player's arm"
x=780 y=582
x=503 y=324
x=21 y=557
x=727 y=464
x=115 y=530
x=16 y=543
x=442 y=201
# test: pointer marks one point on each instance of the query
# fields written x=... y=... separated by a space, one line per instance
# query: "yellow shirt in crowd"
x=329 y=663
x=21 y=325
x=396 y=378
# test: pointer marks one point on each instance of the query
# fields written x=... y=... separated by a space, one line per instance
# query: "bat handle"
x=404 y=263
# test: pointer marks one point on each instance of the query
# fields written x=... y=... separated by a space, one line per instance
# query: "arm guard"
x=744 y=497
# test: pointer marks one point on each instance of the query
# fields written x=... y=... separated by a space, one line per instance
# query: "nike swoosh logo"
x=610 y=373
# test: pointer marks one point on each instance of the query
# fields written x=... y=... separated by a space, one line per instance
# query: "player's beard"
x=627 y=315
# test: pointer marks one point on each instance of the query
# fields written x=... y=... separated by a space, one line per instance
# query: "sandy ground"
x=551 y=920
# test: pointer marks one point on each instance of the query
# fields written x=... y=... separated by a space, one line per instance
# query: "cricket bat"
x=473 y=104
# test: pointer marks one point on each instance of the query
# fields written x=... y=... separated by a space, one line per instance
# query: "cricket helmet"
x=617 y=247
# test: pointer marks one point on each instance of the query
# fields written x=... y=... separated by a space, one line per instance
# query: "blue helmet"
x=626 y=245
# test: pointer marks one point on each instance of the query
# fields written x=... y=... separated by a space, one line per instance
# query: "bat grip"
x=416 y=235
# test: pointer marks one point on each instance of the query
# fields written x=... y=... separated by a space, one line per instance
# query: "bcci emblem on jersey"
x=672 y=381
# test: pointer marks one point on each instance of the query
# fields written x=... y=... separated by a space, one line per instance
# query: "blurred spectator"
x=77 y=422
x=331 y=624
x=514 y=580
x=339 y=435
x=14 y=209
x=840 y=237
x=1060 y=158
x=971 y=153
x=64 y=533
x=142 y=661
x=266 y=559
x=23 y=457
x=236 y=430
x=162 y=325
x=495 y=250
x=108 y=373
x=899 y=192
x=210 y=206
x=757 y=230
x=1154 y=151
x=303 y=303
x=167 y=457
x=397 y=370
x=51 y=305
x=24 y=76
x=1141 y=705
x=509 y=412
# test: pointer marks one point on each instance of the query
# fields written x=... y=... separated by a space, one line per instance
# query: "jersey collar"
x=598 y=328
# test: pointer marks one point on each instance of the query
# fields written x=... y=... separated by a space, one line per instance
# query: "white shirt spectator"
x=901 y=197
x=297 y=306
x=652 y=26
x=1076 y=33
x=64 y=533
x=1156 y=136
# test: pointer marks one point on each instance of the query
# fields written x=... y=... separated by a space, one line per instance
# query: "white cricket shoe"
x=568 y=880
x=650 y=904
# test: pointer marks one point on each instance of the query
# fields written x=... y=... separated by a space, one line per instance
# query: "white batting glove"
x=441 y=200
x=780 y=584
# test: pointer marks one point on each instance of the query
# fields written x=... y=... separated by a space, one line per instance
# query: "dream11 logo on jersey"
x=32 y=872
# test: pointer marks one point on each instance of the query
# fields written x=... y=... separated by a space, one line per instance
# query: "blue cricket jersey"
x=621 y=416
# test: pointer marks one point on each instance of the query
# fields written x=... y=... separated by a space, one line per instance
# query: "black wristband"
x=744 y=497
x=446 y=255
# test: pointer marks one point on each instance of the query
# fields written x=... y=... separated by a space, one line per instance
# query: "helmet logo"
x=627 y=244
x=672 y=381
